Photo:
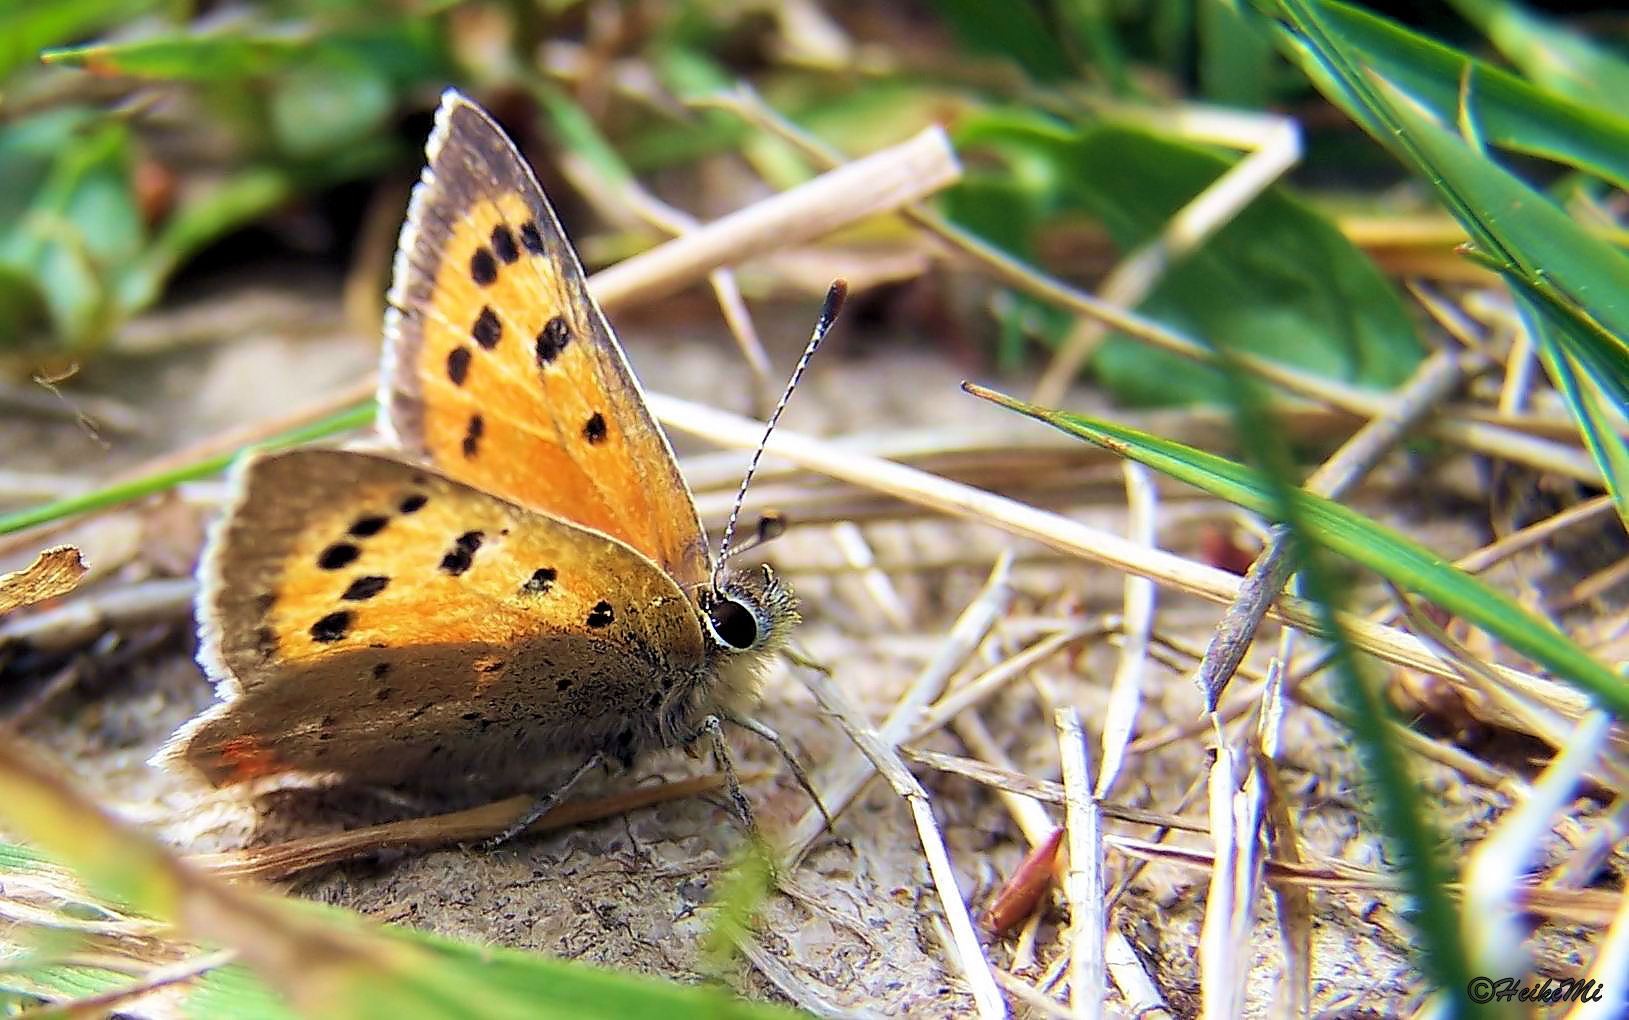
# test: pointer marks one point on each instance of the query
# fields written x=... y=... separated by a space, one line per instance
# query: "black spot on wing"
x=331 y=627
x=367 y=527
x=458 y=365
x=552 y=339
x=531 y=238
x=503 y=244
x=541 y=580
x=483 y=268
x=601 y=615
x=487 y=329
x=594 y=429
x=462 y=554
x=364 y=588
x=338 y=555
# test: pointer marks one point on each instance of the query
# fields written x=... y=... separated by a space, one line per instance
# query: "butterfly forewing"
x=382 y=635
x=501 y=370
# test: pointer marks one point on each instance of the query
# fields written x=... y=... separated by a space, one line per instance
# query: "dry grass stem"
x=1273 y=148
x=1074 y=537
x=1494 y=934
x=1030 y=995
x=1610 y=964
x=1030 y=817
x=857 y=553
x=725 y=288
x=1083 y=882
x=987 y=684
x=122 y=1000
x=281 y=860
x=878 y=183
x=839 y=789
x=789 y=984
x=1126 y=690
x=1141 y=997
x=1435 y=379
x=76 y=622
x=879 y=750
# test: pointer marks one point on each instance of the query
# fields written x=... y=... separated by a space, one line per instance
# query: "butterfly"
x=521 y=579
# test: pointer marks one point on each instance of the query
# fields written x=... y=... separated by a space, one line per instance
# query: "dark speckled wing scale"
x=501 y=370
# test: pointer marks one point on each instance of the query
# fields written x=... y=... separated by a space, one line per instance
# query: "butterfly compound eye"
x=734 y=623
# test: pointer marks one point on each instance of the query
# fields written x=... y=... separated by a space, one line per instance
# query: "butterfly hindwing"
x=373 y=619
x=501 y=370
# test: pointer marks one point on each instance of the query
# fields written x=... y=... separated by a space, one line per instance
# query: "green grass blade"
x=1510 y=113
x=124 y=492
x=1395 y=557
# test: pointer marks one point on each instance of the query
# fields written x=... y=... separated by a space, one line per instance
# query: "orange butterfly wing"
x=501 y=370
x=372 y=619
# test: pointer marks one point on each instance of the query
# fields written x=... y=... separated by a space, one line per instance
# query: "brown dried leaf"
x=54 y=572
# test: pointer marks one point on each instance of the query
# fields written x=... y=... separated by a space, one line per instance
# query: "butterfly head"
x=749 y=611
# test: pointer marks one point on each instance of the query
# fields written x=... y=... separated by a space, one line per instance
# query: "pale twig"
x=90 y=614
x=1439 y=376
x=1032 y=819
x=1125 y=693
x=1043 y=790
x=969 y=630
x=1494 y=935
x=795 y=988
x=879 y=749
x=1071 y=536
x=1295 y=917
x=1224 y=940
x=1083 y=883
x=280 y=860
x=878 y=183
x=725 y=288
x=1274 y=144
x=1141 y=996
x=1611 y=963
x=856 y=552
x=986 y=684
x=1032 y=997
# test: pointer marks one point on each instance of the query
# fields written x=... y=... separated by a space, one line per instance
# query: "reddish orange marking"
x=244 y=758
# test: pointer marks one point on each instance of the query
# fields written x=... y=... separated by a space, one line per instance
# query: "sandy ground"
x=859 y=923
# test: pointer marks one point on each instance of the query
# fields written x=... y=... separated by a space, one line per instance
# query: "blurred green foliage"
x=107 y=106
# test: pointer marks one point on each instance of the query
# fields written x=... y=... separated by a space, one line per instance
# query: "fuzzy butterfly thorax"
x=520 y=580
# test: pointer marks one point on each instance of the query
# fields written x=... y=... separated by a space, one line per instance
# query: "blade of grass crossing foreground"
x=124 y=492
x=1395 y=557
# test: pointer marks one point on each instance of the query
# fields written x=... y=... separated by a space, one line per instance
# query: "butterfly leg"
x=714 y=729
x=544 y=804
x=763 y=730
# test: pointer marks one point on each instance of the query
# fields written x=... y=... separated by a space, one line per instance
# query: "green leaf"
x=1577 y=282
x=27 y=28
x=1559 y=61
x=70 y=223
x=1509 y=113
x=1014 y=31
x=1279 y=280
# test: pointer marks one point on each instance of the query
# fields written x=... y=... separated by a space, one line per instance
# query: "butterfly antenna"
x=835 y=296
